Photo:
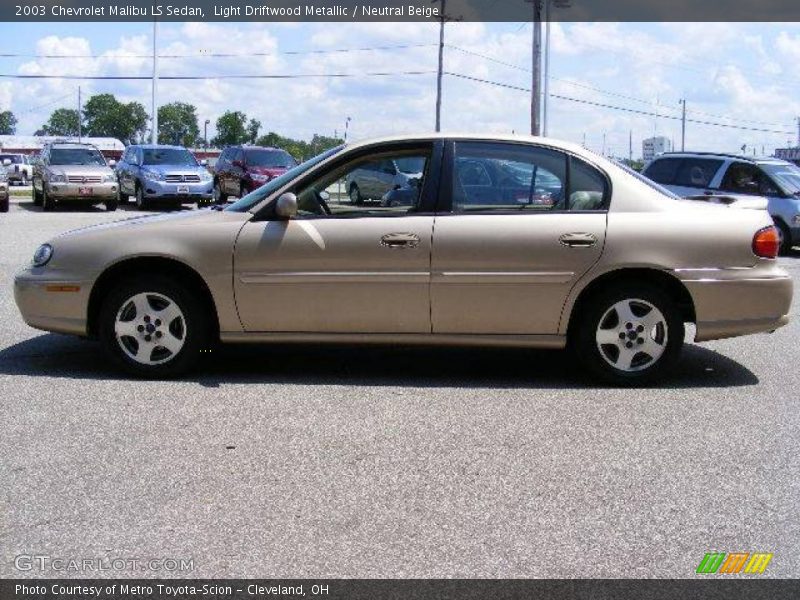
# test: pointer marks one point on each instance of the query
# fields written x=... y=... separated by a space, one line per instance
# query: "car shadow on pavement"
x=52 y=355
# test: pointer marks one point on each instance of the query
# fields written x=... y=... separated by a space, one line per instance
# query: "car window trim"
x=445 y=204
x=264 y=210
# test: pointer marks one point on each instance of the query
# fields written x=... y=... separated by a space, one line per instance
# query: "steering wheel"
x=322 y=204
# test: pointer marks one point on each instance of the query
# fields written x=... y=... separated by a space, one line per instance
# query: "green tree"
x=106 y=116
x=63 y=121
x=252 y=130
x=177 y=124
x=231 y=129
x=8 y=123
x=300 y=149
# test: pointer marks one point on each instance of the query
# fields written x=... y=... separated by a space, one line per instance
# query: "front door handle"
x=578 y=240
x=400 y=240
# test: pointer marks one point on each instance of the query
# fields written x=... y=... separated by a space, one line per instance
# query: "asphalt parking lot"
x=391 y=462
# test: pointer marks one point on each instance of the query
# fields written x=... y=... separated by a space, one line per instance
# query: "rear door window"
x=697 y=172
x=663 y=170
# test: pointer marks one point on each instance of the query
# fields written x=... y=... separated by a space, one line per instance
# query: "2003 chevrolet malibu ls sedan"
x=512 y=241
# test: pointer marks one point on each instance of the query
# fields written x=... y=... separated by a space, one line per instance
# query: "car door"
x=507 y=252
x=235 y=172
x=351 y=269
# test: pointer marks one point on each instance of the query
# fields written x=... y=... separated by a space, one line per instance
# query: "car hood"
x=175 y=169
x=271 y=171
x=81 y=169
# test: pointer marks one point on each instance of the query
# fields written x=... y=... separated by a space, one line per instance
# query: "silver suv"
x=75 y=173
x=374 y=179
x=739 y=178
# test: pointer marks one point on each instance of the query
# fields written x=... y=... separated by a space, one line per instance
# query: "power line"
x=614 y=107
x=206 y=77
x=222 y=54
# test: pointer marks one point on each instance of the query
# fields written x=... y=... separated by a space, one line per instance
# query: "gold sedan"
x=507 y=241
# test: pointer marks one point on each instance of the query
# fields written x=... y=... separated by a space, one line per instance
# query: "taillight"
x=766 y=242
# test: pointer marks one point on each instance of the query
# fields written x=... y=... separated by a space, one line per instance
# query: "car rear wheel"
x=219 y=197
x=629 y=334
x=153 y=327
x=355 y=195
x=141 y=201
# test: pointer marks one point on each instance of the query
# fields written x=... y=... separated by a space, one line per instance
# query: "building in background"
x=32 y=144
x=790 y=154
x=652 y=147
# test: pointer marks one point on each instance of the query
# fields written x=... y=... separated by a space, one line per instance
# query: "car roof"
x=157 y=146
x=248 y=147
x=72 y=145
x=724 y=156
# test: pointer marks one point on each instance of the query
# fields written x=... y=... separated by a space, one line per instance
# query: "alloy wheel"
x=150 y=328
x=632 y=335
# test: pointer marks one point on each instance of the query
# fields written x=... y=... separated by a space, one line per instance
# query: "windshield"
x=656 y=186
x=169 y=156
x=787 y=176
x=410 y=165
x=276 y=159
x=76 y=156
x=250 y=200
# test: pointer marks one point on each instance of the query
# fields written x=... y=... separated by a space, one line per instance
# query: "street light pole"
x=79 y=114
x=683 y=125
x=346 y=127
x=546 y=98
x=154 y=132
x=205 y=133
x=536 y=70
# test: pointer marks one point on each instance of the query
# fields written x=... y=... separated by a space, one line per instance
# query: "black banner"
x=393 y=589
x=400 y=10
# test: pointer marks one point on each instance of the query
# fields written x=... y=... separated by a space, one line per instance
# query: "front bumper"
x=162 y=190
x=50 y=301
x=97 y=192
x=729 y=307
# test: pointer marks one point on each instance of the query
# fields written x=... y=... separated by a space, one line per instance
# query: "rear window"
x=697 y=172
x=663 y=170
x=278 y=159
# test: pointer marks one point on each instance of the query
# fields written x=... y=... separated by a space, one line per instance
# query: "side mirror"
x=238 y=163
x=286 y=206
x=6 y=162
x=204 y=163
x=325 y=195
x=112 y=163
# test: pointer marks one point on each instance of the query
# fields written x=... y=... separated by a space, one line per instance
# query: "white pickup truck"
x=18 y=167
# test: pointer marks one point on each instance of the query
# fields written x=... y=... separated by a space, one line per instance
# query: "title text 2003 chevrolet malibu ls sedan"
x=506 y=241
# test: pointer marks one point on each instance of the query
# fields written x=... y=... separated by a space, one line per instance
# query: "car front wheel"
x=153 y=327
x=141 y=201
x=48 y=204
x=629 y=334
x=219 y=197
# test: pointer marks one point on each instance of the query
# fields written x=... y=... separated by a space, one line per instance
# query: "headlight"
x=42 y=255
x=205 y=176
x=111 y=178
x=153 y=175
x=58 y=178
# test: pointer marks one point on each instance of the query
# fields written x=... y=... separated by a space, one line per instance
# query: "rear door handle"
x=400 y=240
x=578 y=240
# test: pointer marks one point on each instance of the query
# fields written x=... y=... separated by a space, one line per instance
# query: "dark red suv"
x=241 y=169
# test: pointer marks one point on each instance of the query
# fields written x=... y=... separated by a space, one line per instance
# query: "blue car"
x=151 y=173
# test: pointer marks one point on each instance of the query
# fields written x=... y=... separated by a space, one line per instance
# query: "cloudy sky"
x=746 y=75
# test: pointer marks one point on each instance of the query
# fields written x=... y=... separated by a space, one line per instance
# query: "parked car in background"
x=740 y=178
x=4 y=199
x=241 y=169
x=159 y=173
x=71 y=172
x=612 y=266
x=373 y=180
x=19 y=168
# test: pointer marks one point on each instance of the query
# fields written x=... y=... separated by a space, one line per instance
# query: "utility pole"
x=546 y=98
x=604 y=144
x=205 y=132
x=536 y=70
x=630 y=146
x=683 y=124
x=79 y=114
x=440 y=72
x=346 y=127
x=154 y=132
x=798 y=132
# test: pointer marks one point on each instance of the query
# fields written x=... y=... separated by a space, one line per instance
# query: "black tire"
x=219 y=196
x=112 y=204
x=786 y=238
x=141 y=201
x=4 y=204
x=583 y=341
x=37 y=197
x=196 y=331
x=48 y=204
x=355 y=195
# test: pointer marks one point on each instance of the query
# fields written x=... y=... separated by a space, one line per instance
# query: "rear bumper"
x=731 y=307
